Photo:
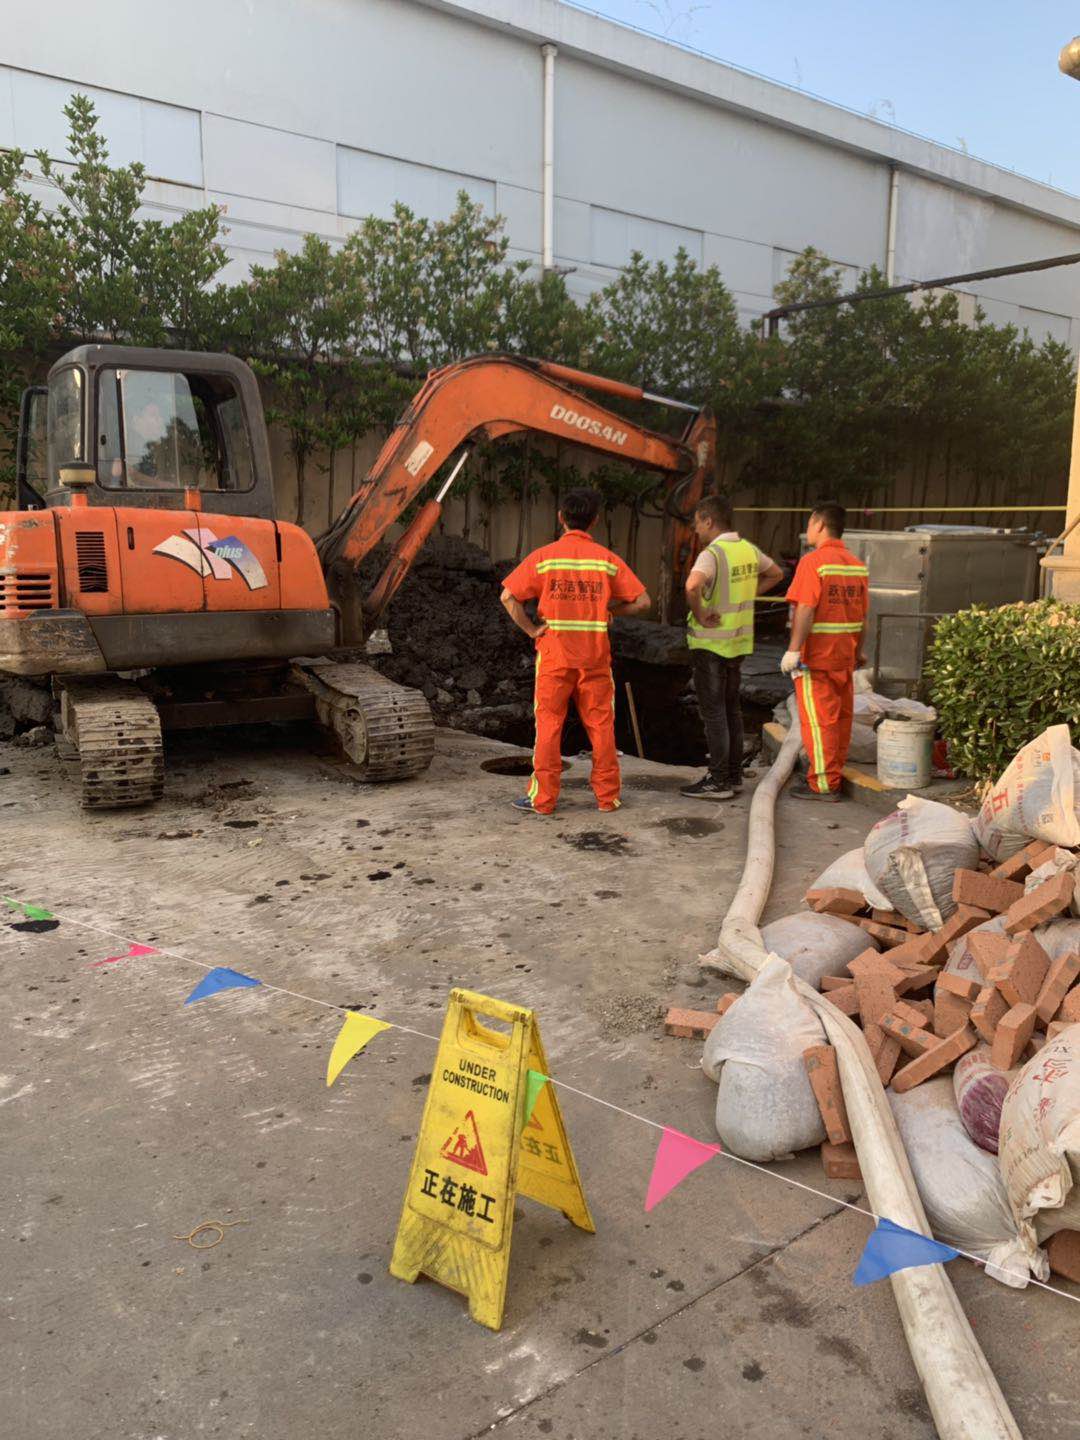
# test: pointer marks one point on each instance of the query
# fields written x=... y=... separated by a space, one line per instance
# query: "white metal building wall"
x=303 y=117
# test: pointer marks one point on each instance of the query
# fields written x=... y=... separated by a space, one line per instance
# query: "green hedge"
x=999 y=677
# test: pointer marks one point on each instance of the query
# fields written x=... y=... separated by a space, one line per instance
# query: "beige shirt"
x=705 y=564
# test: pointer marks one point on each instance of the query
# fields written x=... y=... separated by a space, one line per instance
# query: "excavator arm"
x=487 y=397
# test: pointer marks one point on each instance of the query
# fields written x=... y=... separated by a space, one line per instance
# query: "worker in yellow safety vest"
x=720 y=591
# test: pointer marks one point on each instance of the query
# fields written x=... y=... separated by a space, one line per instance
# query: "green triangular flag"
x=12 y=904
x=534 y=1083
x=34 y=912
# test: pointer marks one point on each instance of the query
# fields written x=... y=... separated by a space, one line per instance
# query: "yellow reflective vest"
x=731 y=596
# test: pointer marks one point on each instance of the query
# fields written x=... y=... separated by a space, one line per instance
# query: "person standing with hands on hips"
x=579 y=586
x=831 y=595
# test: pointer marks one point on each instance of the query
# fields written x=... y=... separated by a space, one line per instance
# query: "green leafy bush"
x=999 y=677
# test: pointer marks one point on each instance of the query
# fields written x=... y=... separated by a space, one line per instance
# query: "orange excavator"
x=146 y=572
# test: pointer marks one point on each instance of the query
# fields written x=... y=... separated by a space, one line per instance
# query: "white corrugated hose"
x=964 y=1396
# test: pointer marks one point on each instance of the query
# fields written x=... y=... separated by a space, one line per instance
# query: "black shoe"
x=707 y=789
x=800 y=790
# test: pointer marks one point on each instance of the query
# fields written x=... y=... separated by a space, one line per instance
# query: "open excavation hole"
x=512 y=765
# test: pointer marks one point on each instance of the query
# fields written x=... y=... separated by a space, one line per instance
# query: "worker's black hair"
x=718 y=509
x=579 y=508
x=831 y=515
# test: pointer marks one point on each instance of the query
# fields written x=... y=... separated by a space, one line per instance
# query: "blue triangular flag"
x=892 y=1247
x=220 y=978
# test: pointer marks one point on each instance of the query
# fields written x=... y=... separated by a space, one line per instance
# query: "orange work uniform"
x=574 y=581
x=837 y=584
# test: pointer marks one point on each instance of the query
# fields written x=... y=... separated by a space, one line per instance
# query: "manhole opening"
x=512 y=765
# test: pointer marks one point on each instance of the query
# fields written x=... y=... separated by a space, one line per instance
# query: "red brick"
x=840 y=1162
x=1020 y=865
x=1054 y=1029
x=887 y=935
x=1063 y=1252
x=724 y=1004
x=1020 y=977
x=944 y=1054
x=884 y=1051
x=987 y=950
x=870 y=962
x=876 y=996
x=963 y=919
x=824 y=1073
x=987 y=1011
x=915 y=1012
x=1070 y=1007
x=835 y=982
x=920 y=979
x=835 y=902
x=916 y=950
x=1012 y=1034
x=912 y=1039
x=1062 y=973
x=989 y=892
x=897 y=921
x=958 y=985
x=951 y=1013
x=689 y=1024
x=1041 y=904
x=845 y=999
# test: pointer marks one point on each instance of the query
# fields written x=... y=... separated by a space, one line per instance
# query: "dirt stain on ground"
x=602 y=841
x=692 y=827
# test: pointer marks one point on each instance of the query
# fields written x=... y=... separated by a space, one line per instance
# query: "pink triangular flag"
x=677 y=1156
x=134 y=951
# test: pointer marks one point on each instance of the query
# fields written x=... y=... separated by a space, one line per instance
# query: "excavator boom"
x=487 y=397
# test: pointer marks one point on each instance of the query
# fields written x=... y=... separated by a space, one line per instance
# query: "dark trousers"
x=716 y=683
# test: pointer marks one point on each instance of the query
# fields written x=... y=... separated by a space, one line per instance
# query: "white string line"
x=562 y=1084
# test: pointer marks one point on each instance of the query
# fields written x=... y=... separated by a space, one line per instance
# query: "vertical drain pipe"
x=547 y=184
x=890 y=241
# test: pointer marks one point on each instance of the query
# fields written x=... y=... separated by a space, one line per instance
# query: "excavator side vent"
x=90 y=553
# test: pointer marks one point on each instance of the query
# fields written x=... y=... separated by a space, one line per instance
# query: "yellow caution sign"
x=476 y=1151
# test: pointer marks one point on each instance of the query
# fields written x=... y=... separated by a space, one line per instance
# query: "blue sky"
x=979 y=75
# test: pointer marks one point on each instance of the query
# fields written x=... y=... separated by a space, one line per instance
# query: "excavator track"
x=385 y=729
x=116 y=731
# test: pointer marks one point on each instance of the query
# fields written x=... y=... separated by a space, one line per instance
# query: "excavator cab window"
x=32 y=456
x=65 y=444
x=163 y=430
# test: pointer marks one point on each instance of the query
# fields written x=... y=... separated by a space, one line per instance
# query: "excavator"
x=146 y=572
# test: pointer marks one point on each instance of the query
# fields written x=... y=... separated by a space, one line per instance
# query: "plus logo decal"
x=202 y=551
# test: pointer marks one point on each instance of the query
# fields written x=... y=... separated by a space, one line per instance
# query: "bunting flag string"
x=677 y=1156
x=890 y=1247
x=133 y=953
x=354 y=1034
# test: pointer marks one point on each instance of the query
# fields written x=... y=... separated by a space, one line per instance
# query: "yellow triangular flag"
x=352 y=1037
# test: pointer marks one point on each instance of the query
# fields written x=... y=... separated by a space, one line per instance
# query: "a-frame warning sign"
x=459 y=1206
x=464 y=1146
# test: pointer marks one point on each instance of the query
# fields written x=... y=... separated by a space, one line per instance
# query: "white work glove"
x=790 y=661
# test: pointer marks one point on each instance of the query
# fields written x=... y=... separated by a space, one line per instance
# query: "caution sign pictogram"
x=464 y=1146
x=458 y=1214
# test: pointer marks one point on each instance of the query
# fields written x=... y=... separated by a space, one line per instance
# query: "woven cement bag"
x=815 y=945
x=960 y=1185
x=1035 y=799
x=765 y=1108
x=1040 y=1140
x=913 y=854
x=980 y=1089
x=848 y=872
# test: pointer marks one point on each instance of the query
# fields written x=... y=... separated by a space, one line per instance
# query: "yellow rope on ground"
x=219 y=1225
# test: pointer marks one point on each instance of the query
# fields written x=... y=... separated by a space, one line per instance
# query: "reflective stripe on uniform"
x=715 y=633
x=843 y=570
x=837 y=627
x=815 y=728
x=605 y=566
x=534 y=784
x=576 y=624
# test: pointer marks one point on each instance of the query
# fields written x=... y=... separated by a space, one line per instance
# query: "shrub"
x=999 y=677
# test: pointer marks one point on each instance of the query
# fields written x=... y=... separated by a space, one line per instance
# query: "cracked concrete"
x=126 y=1119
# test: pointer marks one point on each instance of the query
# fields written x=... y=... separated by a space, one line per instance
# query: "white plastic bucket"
x=905 y=751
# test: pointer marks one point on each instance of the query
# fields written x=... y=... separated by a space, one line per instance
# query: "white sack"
x=815 y=945
x=1035 y=799
x=1057 y=937
x=848 y=872
x=765 y=1108
x=1040 y=1140
x=960 y=1185
x=913 y=854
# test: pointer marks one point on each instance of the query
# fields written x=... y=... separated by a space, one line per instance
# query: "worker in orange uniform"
x=830 y=591
x=579 y=586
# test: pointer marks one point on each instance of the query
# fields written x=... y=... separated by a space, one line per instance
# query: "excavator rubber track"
x=385 y=729
x=116 y=731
